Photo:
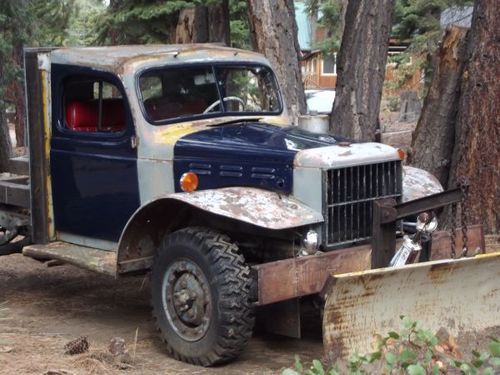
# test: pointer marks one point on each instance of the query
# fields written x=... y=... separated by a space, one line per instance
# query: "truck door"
x=93 y=157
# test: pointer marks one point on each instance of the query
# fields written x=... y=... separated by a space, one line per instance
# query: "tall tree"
x=361 y=68
x=159 y=21
x=204 y=23
x=418 y=22
x=13 y=21
x=5 y=145
x=139 y=22
x=467 y=116
x=476 y=153
x=330 y=15
x=15 y=31
x=274 y=34
x=434 y=136
x=218 y=22
x=238 y=19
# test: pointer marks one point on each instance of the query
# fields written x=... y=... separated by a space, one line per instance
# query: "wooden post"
x=39 y=157
x=383 y=232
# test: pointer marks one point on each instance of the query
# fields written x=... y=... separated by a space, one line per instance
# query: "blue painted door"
x=93 y=158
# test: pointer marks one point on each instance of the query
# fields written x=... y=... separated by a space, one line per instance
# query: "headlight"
x=310 y=242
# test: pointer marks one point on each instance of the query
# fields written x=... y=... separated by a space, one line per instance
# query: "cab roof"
x=120 y=59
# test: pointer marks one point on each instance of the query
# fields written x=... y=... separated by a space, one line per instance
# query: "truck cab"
x=180 y=160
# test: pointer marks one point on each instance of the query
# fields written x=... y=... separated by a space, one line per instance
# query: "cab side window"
x=93 y=106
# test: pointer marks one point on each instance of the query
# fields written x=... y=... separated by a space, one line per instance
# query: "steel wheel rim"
x=186 y=299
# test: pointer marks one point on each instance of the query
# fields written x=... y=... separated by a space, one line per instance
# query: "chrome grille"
x=349 y=195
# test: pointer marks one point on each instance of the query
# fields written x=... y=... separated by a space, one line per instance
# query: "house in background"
x=318 y=71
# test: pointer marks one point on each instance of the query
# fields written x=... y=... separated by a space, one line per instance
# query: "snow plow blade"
x=460 y=296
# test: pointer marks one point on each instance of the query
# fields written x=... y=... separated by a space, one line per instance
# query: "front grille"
x=349 y=195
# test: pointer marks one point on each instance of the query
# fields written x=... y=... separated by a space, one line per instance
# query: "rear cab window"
x=93 y=106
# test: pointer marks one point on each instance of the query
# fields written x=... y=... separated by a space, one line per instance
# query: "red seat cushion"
x=82 y=116
x=171 y=107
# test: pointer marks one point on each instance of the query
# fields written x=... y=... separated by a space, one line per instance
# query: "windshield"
x=172 y=93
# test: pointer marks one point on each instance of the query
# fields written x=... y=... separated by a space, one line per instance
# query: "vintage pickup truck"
x=180 y=160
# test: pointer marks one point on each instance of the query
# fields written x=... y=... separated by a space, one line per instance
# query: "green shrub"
x=392 y=103
x=413 y=351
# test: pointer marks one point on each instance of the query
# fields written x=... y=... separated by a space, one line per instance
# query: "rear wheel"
x=200 y=296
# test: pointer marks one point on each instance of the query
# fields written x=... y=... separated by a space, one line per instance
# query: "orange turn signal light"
x=189 y=182
x=401 y=153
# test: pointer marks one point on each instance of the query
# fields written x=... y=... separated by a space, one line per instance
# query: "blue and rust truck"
x=179 y=160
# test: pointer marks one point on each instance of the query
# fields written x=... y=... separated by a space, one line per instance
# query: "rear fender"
x=260 y=208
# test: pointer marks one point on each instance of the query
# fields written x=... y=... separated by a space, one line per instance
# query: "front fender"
x=418 y=183
x=145 y=229
x=254 y=206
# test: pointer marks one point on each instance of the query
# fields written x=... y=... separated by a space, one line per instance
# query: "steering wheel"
x=226 y=99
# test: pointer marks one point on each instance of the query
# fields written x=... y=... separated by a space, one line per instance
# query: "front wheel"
x=201 y=296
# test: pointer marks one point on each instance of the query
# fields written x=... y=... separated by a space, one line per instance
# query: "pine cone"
x=117 y=346
x=77 y=346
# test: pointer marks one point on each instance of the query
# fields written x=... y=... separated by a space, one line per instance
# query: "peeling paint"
x=128 y=59
x=254 y=206
x=418 y=183
x=362 y=304
x=340 y=156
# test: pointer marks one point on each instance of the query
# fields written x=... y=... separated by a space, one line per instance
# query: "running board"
x=91 y=259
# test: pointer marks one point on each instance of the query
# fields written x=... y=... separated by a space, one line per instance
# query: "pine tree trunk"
x=274 y=34
x=361 y=68
x=202 y=24
x=477 y=152
x=218 y=23
x=434 y=136
x=5 y=146
x=192 y=26
x=18 y=96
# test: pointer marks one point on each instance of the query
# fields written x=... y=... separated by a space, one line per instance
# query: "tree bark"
x=18 y=96
x=361 y=68
x=274 y=34
x=477 y=154
x=192 y=26
x=5 y=146
x=202 y=24
x=218 y=23
x=434 y=136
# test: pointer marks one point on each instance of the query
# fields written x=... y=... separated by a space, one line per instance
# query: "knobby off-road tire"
x=200 y=296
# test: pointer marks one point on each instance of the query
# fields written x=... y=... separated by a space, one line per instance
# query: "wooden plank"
x=14 y=193
x=19 y=165
x=39 y=163
x=100 y=261
x=383 y=232
x=290 y=278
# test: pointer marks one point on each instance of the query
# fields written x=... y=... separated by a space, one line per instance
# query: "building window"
x=328 y=64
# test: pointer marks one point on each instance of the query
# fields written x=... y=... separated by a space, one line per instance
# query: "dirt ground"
x=47 y=307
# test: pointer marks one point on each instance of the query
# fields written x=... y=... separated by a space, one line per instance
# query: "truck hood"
x=260 y=141
x=256 y=154
x=251 y=139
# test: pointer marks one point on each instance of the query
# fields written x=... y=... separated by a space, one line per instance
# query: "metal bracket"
x=385 y=214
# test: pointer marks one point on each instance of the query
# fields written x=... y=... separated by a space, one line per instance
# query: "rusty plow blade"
x=460 y=296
